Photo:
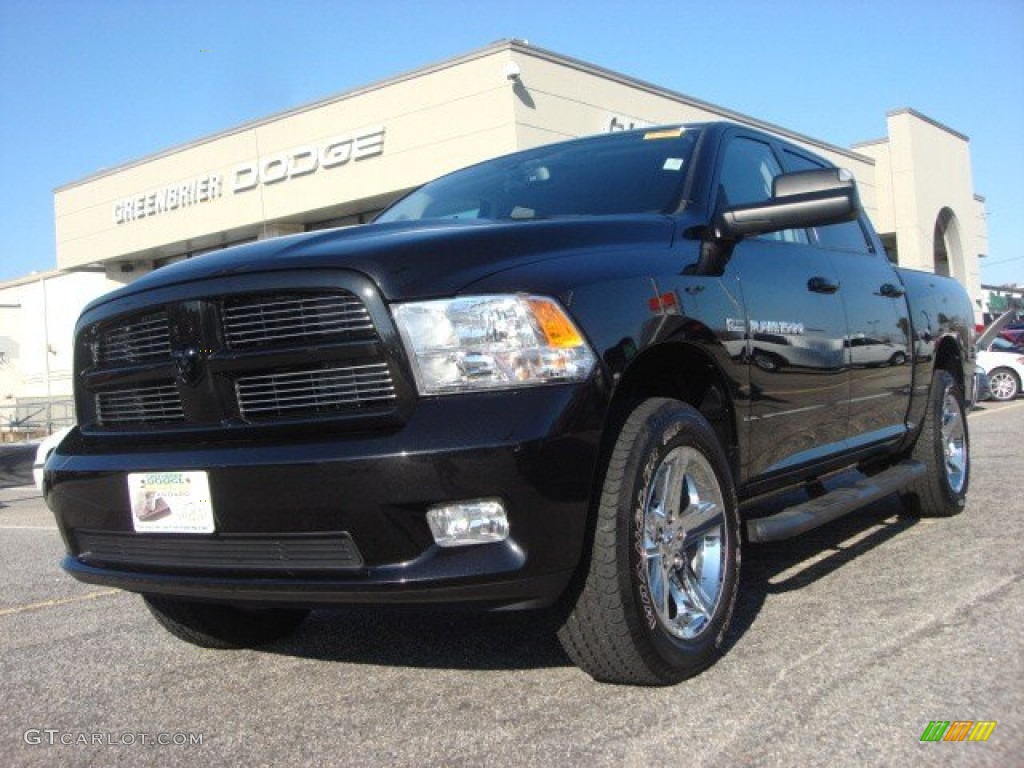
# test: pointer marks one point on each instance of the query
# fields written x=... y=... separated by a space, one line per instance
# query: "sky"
x=90 y=84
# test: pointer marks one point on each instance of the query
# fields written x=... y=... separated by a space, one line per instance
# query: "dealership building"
x=338 y=161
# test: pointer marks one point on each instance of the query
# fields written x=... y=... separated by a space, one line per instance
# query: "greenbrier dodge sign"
x=283 y=166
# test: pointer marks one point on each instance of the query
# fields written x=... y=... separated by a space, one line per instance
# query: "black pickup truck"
x=549 y=380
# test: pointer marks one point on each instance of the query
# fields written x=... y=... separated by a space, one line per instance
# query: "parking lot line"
x=56 y=602
x=28 y=527
x=1003 y=408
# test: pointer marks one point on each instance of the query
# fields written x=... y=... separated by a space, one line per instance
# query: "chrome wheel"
x=685 y=542
x=954 y=441
x=1002 y=384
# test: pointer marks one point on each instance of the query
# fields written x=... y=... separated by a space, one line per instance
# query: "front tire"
x=944 y=448
x=663 y=573
x=210 y=625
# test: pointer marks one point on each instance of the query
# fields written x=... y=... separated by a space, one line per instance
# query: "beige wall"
x=884 y=219
x=931 y=171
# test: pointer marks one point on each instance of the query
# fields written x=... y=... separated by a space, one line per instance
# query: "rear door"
x=878 y=337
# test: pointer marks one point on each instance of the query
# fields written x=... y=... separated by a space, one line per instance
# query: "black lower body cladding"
x=329 y=520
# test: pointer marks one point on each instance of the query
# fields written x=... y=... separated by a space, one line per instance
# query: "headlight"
x=491 y=342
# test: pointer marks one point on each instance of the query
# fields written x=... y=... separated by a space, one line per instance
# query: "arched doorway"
x=949 y=257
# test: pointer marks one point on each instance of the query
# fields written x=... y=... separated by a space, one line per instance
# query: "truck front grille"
x=287 y=353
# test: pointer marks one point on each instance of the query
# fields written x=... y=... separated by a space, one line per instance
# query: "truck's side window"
x=746 y=177
x=848 y=236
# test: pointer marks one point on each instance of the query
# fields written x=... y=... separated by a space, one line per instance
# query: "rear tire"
x=944 y=448
x=1003 y=384
x=210 y=625
x=663 y=573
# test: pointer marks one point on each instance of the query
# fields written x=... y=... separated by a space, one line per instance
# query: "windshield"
x=632 y=172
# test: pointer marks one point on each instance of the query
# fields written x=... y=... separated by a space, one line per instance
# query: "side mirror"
x=802 y=199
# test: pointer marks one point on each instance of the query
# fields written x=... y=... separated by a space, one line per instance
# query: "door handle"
x=822 y=285
x=891 y=291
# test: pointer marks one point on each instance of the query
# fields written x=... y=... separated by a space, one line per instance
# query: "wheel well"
x=948 y=358
x=683 y=372
x=1009 y=370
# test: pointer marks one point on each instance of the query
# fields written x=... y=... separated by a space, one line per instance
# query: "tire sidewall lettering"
x=650 y=615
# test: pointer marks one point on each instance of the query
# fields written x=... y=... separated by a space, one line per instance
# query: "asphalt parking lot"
x=847 y=642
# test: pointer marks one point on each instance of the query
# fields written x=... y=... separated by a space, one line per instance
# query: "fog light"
x=480 y=521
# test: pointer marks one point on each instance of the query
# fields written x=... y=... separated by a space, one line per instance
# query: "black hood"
x=423 y=259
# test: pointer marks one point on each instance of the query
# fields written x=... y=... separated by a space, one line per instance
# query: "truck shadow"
x=784 y=566
x=520 y=641
x=428 y=639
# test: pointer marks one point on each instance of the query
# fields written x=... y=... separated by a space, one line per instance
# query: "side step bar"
x=797 y=519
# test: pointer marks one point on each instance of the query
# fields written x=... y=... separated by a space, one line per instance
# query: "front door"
x=795 y=325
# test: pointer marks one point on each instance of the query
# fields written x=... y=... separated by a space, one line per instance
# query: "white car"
x=1004 y=364
x=1002 y=360
x=43 y=452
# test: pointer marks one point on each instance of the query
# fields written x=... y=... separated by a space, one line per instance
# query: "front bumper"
x=536 y=449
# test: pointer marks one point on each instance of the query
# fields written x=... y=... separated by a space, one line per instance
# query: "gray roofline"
x=1008 y=288
x=929 y=120
x=871 y=142
x=32 y=277
x=658 y=90
x=50 y=274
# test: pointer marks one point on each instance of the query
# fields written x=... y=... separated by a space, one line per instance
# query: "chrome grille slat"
x=136 y=340
x=287 y=323
x=292 y=393
x=361 y=370
x=158 y=404
x=256 y=320
x=122 y=399
x=129 y=351
x=334 y=384
x=340 y=306
x=254 y=404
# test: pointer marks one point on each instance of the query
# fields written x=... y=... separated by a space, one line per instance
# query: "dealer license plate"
x=170 y=502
